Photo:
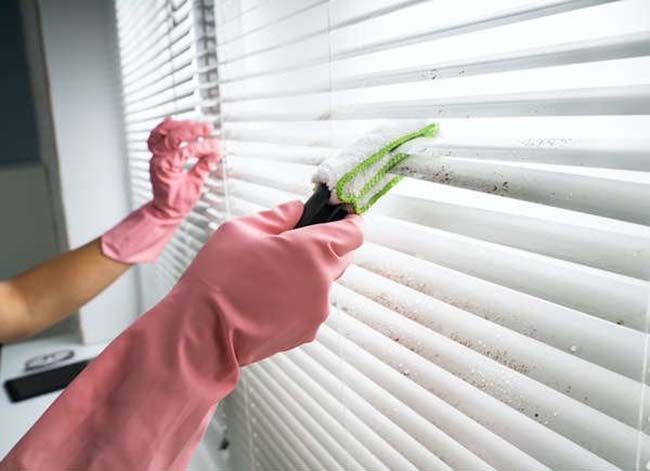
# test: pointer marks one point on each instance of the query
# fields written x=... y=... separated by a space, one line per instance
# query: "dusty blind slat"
x=497 y=316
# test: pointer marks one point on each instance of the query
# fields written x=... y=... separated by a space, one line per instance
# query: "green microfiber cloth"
x=360 y=174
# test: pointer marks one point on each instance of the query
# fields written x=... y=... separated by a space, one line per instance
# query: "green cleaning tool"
x=355 y=179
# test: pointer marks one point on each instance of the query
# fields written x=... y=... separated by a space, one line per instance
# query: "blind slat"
x=467 y=432
x=496 y=317
x=535 y=359
x=616 y=348
x=530 y=436
x=487 y=20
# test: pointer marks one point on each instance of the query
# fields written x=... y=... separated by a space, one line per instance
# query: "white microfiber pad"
x=358 y=175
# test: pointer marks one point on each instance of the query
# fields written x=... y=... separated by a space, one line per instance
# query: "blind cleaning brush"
x=356 y=178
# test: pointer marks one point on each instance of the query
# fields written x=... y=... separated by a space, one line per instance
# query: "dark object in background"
x=224 y=444
x=26 y=387
x=18 y=132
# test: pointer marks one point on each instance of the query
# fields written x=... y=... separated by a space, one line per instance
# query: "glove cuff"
x=140 y=237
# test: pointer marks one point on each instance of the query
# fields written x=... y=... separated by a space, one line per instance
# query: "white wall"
x=27 y=235
x=80 y=53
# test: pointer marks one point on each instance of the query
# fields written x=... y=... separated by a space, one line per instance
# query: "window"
x=168 y=67
x=497 y=316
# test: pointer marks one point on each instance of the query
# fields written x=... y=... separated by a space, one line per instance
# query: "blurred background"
x=497 y=316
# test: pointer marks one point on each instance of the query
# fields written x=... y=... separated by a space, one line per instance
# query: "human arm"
x=47 y=293
x=50 y=291
x=256 y=288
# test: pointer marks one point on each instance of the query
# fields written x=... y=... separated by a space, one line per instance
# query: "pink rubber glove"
x=256 y=288
x=143 y=234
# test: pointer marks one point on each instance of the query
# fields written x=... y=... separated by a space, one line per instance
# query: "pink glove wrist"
x=140 y=237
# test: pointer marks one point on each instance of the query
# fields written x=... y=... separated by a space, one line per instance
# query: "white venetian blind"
x=497 y=316
x=168 y=64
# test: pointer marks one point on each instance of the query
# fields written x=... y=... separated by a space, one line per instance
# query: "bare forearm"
x=45 y=294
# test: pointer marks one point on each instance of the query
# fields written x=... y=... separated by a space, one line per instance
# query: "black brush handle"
x=319 y=210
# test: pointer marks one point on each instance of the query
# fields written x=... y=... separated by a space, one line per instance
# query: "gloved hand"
x=256 y=288
x=143 y=234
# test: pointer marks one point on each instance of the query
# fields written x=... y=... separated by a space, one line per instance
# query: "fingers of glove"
x=329 y=245
x=169 y=134
x=207 y=149
x=283 y=217
x=353 y=224
x=183 y=129
x=342 y=236
x=201 y=169
x=172 y=162
x=342 y=265
x=166 y=166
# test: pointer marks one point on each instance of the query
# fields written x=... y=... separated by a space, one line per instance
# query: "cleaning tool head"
x=355 y=179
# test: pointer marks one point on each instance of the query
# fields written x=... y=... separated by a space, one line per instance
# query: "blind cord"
x=341 y=393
